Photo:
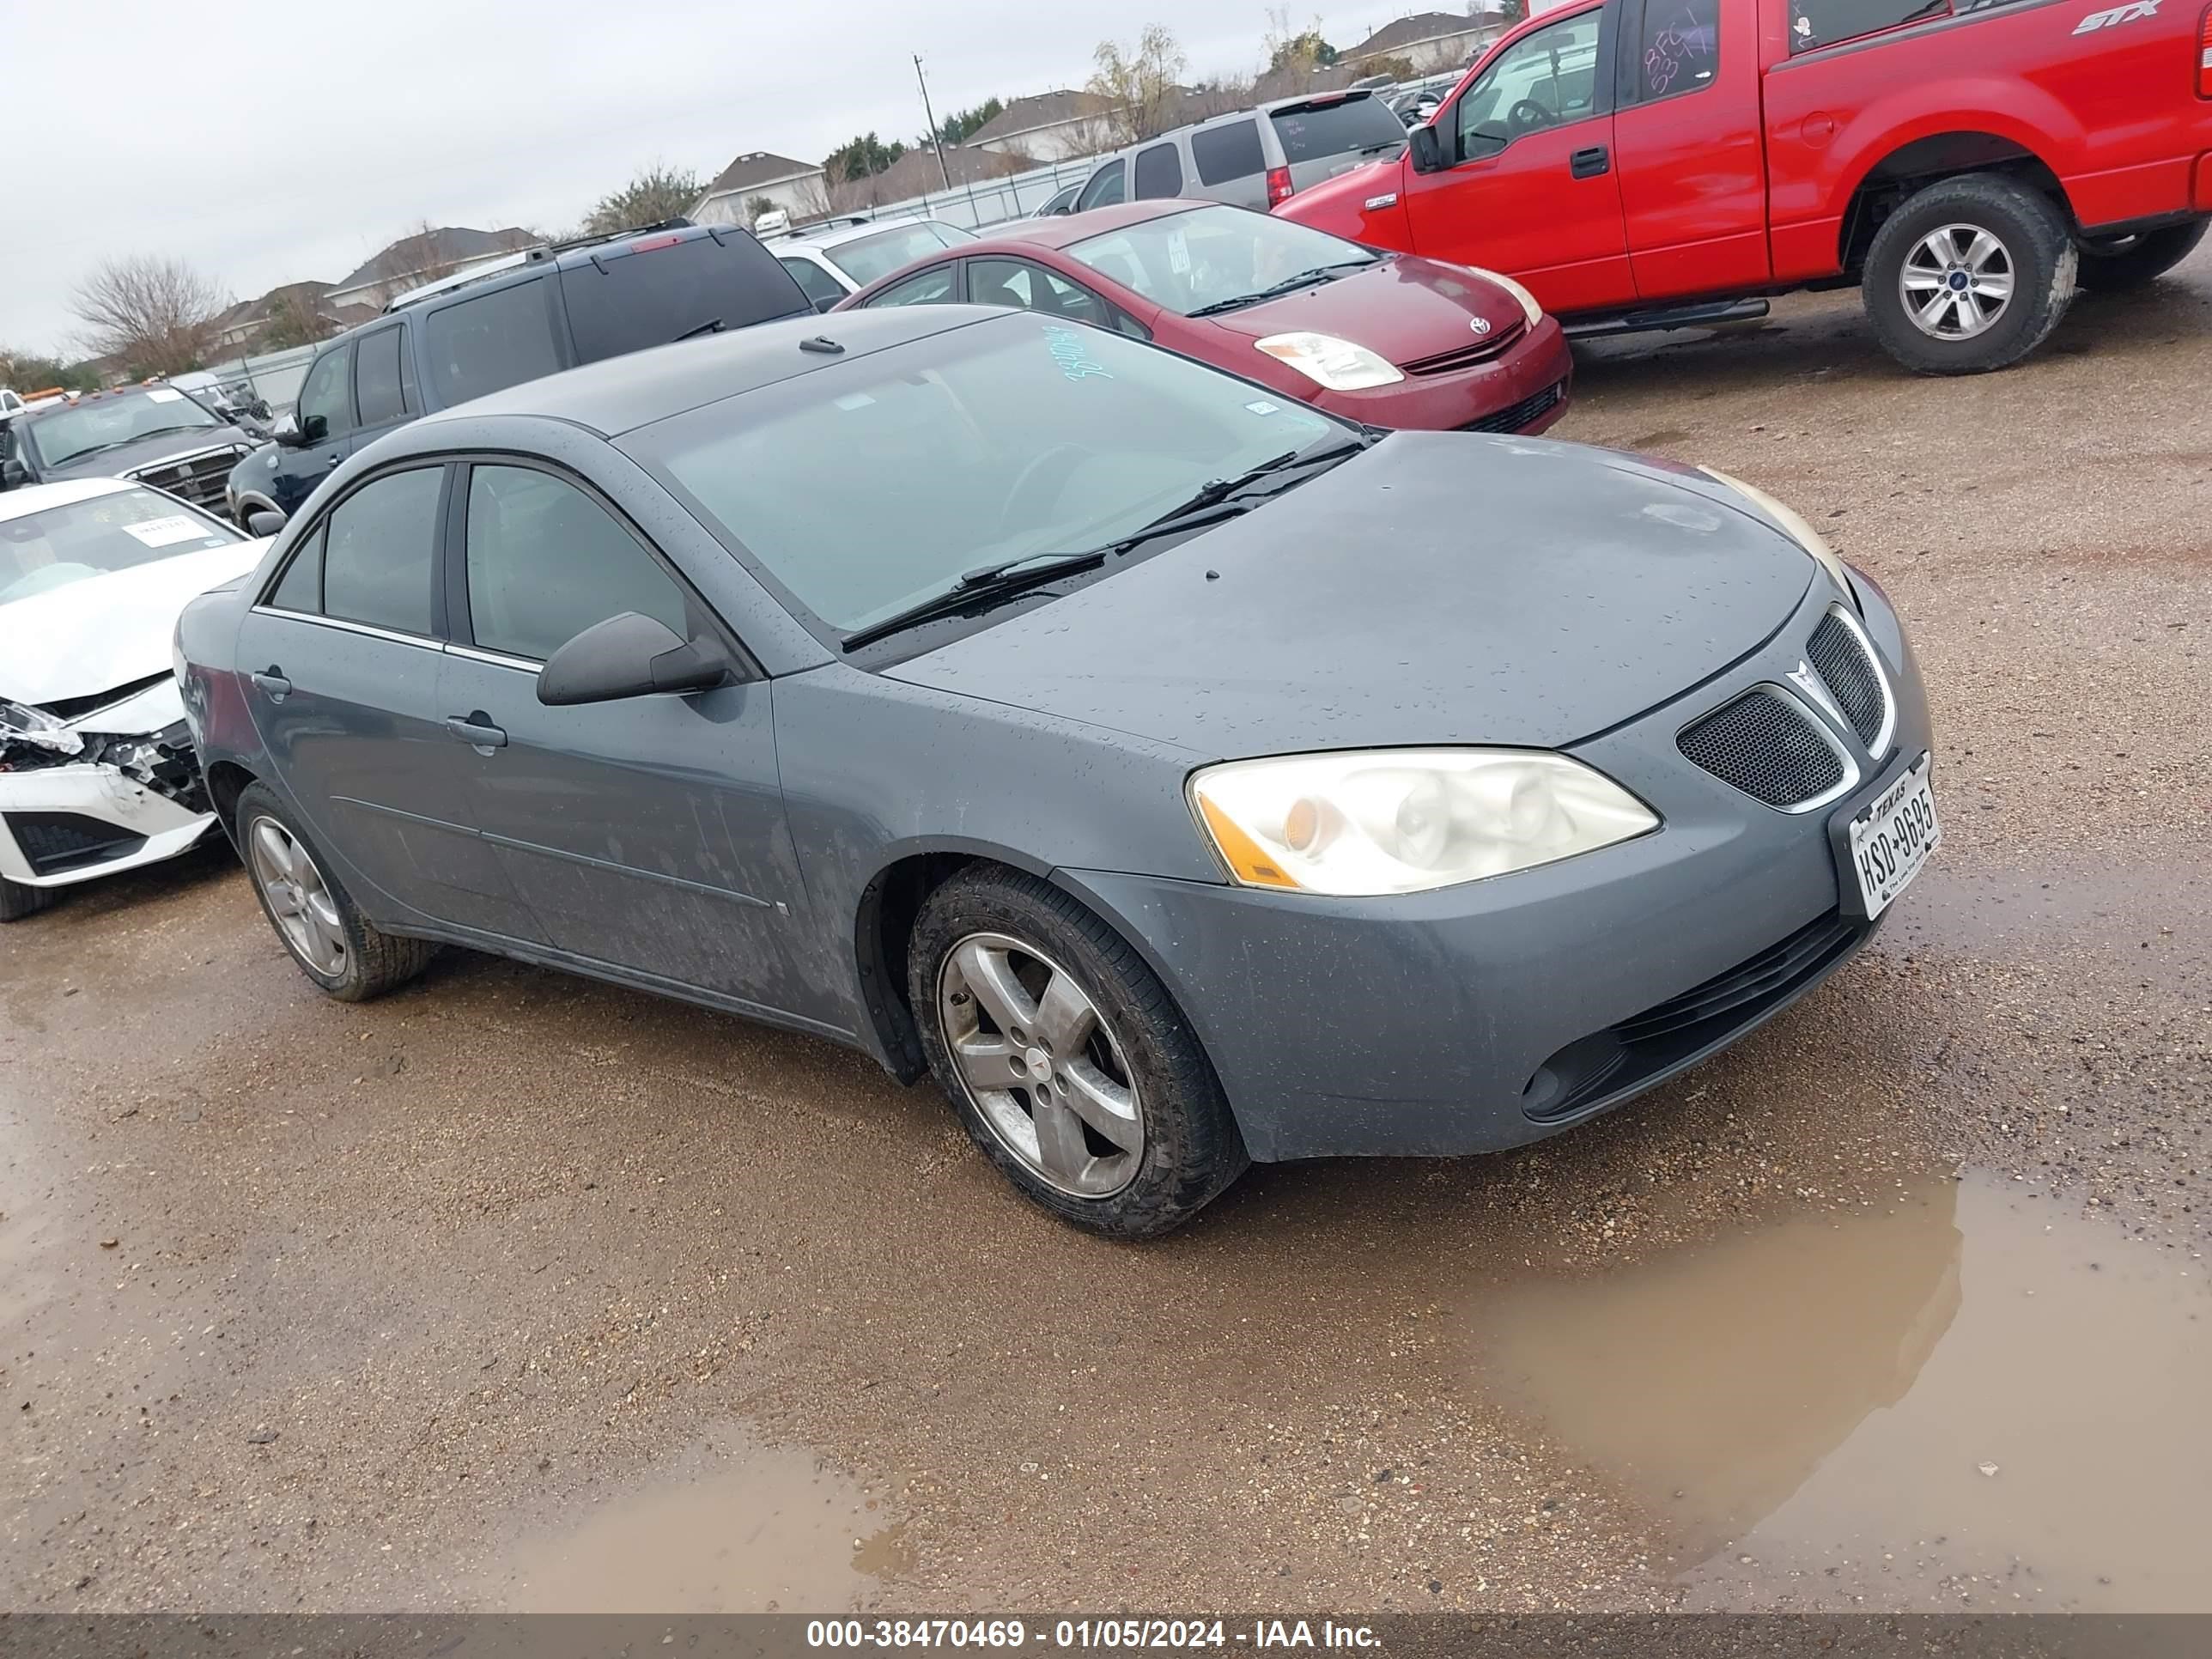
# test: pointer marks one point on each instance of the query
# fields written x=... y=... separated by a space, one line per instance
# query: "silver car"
x=1255 y=158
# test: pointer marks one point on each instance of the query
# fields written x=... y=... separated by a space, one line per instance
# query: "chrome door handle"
x=477 y=729
x=273 y=684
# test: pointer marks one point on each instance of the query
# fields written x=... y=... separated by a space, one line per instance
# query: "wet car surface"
x=403 y=1301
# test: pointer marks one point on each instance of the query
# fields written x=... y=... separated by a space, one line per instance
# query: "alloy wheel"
x=298 y=899
x=1957 y=283
x=1041 y=1064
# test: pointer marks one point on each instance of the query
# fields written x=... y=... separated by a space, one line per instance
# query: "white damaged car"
x=97 y=772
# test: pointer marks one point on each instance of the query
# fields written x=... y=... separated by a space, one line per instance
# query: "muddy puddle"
x=734 y=1525
x=1974 y=1397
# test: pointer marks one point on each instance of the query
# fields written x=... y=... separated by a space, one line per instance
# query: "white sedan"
x=97 y=772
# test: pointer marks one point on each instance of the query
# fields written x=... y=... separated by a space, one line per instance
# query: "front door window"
x=1545 y=79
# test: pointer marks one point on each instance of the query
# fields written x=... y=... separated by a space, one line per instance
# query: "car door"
x=324 y=417
x=384 y=390
x=1528 y=185
x=647 y=834
x=343 y=652
x=1689 y=152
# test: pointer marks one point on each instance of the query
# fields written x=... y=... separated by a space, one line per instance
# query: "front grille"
x=1479 y=350
x=198 y=478
x=1765 y=745
x=1851 y=676
x=1523 y=414
x=54 y=842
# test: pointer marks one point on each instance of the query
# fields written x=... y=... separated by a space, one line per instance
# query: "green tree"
x=656 y=193
x=955 y=129
x=1305 y=49
x=34 y=371
x=862 y=157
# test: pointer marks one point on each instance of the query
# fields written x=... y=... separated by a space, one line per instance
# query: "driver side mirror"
x=1428 y=149
x=286 y=431
x=266 y=522
x=12 y=474
x=629 y=656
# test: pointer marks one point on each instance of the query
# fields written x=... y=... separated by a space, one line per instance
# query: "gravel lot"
x=515 y=1289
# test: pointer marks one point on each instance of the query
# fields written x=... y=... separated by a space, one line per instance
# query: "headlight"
x=19 y=723
x=1378 y=821
x=1530 y=307
x=1327 y=360
x=1793 y=525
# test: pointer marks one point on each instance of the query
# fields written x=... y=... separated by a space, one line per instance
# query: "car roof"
x=1064 y=230
x=620 y=394
x=22 y=502
x=831 y=236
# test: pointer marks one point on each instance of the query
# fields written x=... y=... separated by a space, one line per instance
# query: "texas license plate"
x=1891 y=840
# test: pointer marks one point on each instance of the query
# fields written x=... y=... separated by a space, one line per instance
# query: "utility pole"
x=936 y=138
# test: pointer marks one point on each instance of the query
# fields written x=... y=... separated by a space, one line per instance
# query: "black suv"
x=571 y=303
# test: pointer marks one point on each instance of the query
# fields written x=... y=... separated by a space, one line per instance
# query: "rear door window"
x=932 y=286
x=657 y=289
x=381 y=545
x=1158 y=172
x=1228 y=152
x=492 y=342
x=1347 y=127
x=379 y=366
x=1817 y=23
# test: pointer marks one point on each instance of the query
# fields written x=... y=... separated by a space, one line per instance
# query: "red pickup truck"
x=1672 y=163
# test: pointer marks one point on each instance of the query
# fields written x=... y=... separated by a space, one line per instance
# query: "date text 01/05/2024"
x=1086 y=1633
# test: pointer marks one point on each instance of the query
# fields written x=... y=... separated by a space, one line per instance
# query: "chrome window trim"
x=497 y=658
x=368 y=630
x=1886 y=736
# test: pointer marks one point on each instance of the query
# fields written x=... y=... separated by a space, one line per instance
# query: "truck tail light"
x=1279 y=187
x=2204 y=55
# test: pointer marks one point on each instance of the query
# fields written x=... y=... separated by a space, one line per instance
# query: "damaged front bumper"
x=116 y=788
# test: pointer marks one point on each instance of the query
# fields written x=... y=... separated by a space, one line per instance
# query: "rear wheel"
x=314 y=916
x=1969 y=275
x=2116 y=264
x=17 y=900
x=1065 y=1058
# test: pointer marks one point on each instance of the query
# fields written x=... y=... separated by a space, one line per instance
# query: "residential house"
x=1048 y=127
x=1432 y=41
x=759 y=175
x=424 y=257
x=240 y=328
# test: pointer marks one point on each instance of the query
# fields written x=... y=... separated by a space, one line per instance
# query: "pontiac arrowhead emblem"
x=1815 y=688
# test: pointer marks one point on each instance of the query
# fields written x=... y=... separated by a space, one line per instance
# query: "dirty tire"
x=2137 y=260
x=1192 y=1151
x=2045 y=268
x=375 y=962
x=17 y=900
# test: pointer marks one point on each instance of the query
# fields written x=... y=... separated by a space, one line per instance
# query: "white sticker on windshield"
x=854 y=400
x=1263 y=407
x=1178 y=254
x=163 y=532
x=164 y=394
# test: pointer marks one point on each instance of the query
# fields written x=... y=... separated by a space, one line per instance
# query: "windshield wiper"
x=1304 y=279
x=1210 y=503
x=76 y=455
x=712 y=326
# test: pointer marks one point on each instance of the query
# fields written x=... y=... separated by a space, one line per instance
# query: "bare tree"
x=156 y=314
x=657 y=193
x=295 y=320
x=417 y=258
x=1140 y=82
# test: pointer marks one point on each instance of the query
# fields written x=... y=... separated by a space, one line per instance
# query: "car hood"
x=107 y=631
x=146 y=452
x=1403 y=308
x=1444 y=587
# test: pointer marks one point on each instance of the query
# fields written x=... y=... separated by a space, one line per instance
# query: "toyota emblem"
x=1480 y=325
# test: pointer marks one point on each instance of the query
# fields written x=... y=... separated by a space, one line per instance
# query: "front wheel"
x=2115 y=264
x=1065 y=1058
x=1969 y=275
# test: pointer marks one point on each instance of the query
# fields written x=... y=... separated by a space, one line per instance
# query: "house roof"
x=446 y=245
x=1402 y=32
x=1041 y=109
x=918 y=171
x=1295 y=81
x=757 y=167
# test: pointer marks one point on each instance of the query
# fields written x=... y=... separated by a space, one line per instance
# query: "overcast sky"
x=268 y=141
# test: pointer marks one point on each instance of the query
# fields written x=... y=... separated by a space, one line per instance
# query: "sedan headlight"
x=1327 y=360
x=1530 y=307
x=1793 y=525
x=1378 y=821
x=19 y=723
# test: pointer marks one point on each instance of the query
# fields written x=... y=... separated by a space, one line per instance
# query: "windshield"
x=61 y=436
x=52 y=547
x=1202 y=259
x=1315 y=131
x=866 y=257
x=860 y=492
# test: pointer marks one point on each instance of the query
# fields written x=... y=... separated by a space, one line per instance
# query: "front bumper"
x=1525 y=389
x=1497 y=1013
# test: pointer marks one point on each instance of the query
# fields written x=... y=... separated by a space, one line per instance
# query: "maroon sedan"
x=1391 y=339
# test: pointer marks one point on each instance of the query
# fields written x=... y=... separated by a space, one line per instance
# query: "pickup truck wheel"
x=2117 y=263
x=1969 y=275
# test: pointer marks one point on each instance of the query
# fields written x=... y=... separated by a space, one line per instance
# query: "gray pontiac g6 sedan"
x=1182 y=775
